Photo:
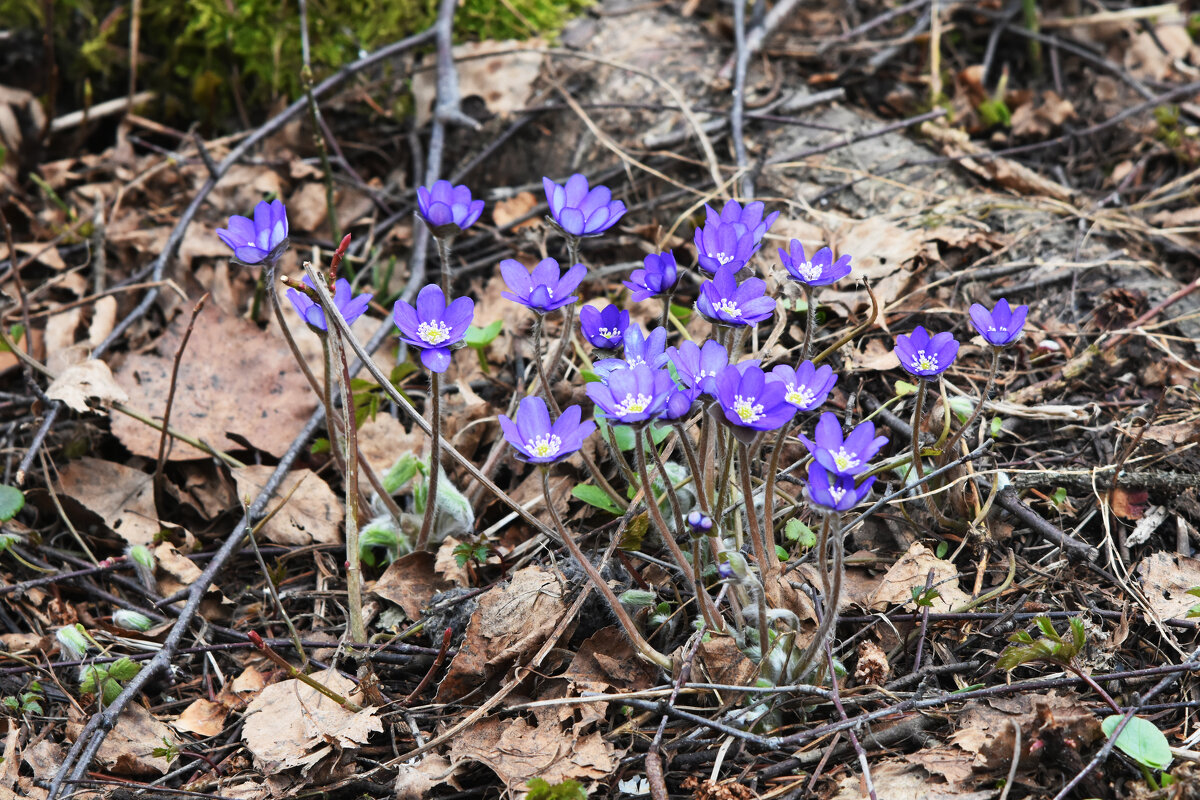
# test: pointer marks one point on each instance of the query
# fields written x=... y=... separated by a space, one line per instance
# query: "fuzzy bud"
x=71 y=642
x=132 y=620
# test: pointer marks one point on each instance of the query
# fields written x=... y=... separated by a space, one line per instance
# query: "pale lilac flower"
x=432 y=326
x=545 y=289
x=835 y=492
x=848 y=456
x=448 y=210
x=658 y=276
x=578 y=211
x=723 y=300
x=262 y=239
x=820 y=270
x=924 y=356
x=807 y=386
x=538 y=441
x=350 y=307
x=1000 y=327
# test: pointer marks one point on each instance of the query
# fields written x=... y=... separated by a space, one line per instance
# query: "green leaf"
x=995 y=427
x=1059 y=497
x=12 y=500
x=567 y=790
x=595 y=496
x=995 y=112
x=962 y=408
x=904 y=388
x=681 y=313
x=798 y=532
x=482 y=337
x=319 y=446
x=15 y=333
x=123 y=669
x=780 y=553
x=402 y=371
x=1141 y=740
x=401 y=473
x=942 y=549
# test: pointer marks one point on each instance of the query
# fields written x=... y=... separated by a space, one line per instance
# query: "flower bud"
x=71 y=642
x=637 y=598
x=701 y=524
x=132 y=620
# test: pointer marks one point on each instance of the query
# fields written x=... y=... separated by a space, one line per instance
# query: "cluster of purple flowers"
x=648 y=380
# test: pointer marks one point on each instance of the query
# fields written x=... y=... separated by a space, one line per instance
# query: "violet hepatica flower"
x=658 y=276
x=732 y=236
x=578 y=211
x=261 y=239
x=1001 y=326
x=847 y=456
x=807 y=386
x=639 y=349
x=545 y=289
x=723 y=300
x=835 y=492
x=537 y=440
x=698 y=366
x=923 y=355
x=603 y=327
x=432 y=326
x=349 y=306
x=750 y=402
x=820 y=270
x=679 y=403
x=447 y=209
x=632 y=395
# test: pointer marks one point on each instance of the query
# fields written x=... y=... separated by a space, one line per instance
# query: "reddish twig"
x=433 y=668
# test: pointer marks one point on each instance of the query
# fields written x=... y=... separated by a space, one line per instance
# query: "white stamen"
x=799 y=396
x=633 y=405
x=845 y=461
x=727 y=306
x=923 y=362
x=545 y=446
x=434 y=332
x=809 y=271
x=747 y=409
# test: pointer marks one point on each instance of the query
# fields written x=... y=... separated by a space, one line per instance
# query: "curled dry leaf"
x=510 y=623
x=312 y=515
x=121 y=496
x=1165 y=579
x=127 y=750
x=290 y=724
x=411 y=582
x=203 y=718
x=911 y=572
x=90 y=380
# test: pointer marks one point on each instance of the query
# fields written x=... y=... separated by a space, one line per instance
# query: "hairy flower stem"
x=769 y=497
x=831 y=580
x=719 y=509
x=444 y=243
x=707 y=610
x=598 y=582
x=948 y=449
x=764 y=550
x=689 y=451
x=358 y=631
x=666 y=312
x=918 y=414
x=810 y=327
x=708 y=467
x=612 y=493
x=435 y=457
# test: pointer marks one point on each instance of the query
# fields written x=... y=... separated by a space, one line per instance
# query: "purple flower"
x=835 y=492
x=723 y=300
x=657 y=278
x=539 y=442
x=447 y=209
x=544 y=290
x=924 y=356
x=808 y=386
x=580 y=212
x=632 y=395
x=698 y=366
x=731 y=237
x=1001 y=326
x=679 y=403
x=820 y=270
x=639 y=349
x=604 y=328
x=752 y=403
x=433 y=327
x=843 y=456
x=261 y=239
x=350 y=307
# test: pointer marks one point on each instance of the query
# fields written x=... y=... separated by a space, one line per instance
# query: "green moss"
x=193 y=51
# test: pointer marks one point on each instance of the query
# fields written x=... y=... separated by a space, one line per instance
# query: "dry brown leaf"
x=235 y=380
x=504 y=80
x=312 y=515
x=411 y=582
x=416 y=781
x=911 y=572
x=447 y=566
x=1146 y=58
x=104 y=318
x=952 y=764
x=985 y=729
x=127 y=748
x=383 y=440
x=898 y=780
x=515 y=207
x=874 y=357
x=290 y=724
x=1129 y=504
x=203 y=718
x=1165 y=579
x=883 y=252
x=121 y=496
x=606 y=661
x=1004 y=171
x=90 y=380
x=511 y=622
x=517 y=751
x=724 y=662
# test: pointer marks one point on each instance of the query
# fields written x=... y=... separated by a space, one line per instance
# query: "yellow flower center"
x=747 y=409
x=433 y=332
x=845 y=460
x=545 y=446
x=798 y=396
x=923 y=362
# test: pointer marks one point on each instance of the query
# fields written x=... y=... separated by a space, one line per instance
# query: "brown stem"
x=763 y=551
x=948 y=449
x=601 y=585
x=435 y=455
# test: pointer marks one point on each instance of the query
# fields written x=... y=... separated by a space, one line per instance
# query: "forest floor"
x=960 y=153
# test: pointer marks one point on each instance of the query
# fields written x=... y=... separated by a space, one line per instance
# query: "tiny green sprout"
x=141 y=555
x=169 y=750
x=1059 y=498
x=681 y=313
x=1052 y=646
x=72 y=641
x=319 y=446
x=478 y=340
x=472 y=552
x=904 y=388
x=638 y=598
x=962 y=408
x=1194 y=611
x=380 y=537
x=567 y=790
x=132 y=620
x=924 y=597
x=403 y=471
x=28 y=702
x=662 y=613
x=801 y=534
x=780 y=553
x=942 y=549
x=995 y=426
x=107 y=680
